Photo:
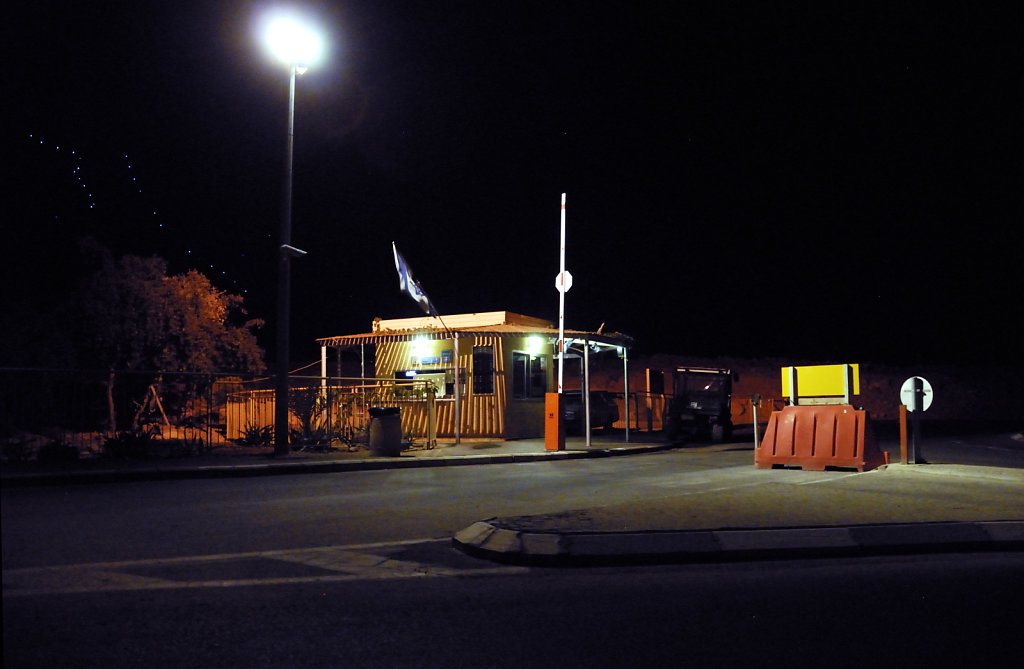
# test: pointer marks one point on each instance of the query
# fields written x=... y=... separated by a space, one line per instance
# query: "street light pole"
x=284 y=288
x=297 y=43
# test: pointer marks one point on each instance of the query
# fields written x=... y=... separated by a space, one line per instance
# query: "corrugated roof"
x=500 y=330
x=459 y=321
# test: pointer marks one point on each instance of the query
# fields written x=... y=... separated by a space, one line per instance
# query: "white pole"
x=753 y=406
x=458 y=393
x=586 y=388
x=362 y=373
x=561 y=300
x=323 y=367
x=323 y=382
x=625 y=387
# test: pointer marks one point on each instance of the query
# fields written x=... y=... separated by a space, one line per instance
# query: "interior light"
x=421 y=347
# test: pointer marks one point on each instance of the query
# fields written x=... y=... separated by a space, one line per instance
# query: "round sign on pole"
x=568 y=281
x=907 y=393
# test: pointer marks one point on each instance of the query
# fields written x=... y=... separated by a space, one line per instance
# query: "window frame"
x=526 y=369
x=484 y=374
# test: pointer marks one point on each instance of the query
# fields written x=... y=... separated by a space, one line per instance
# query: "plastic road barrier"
x=817 y=437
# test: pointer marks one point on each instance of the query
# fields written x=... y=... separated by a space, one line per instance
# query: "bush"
x=57 y=451
x=17 y=450
x=129 y=444
x=314 y=439
x=257 y=435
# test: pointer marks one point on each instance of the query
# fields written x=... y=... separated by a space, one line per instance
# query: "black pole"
x=915 y=421
x=284 y=290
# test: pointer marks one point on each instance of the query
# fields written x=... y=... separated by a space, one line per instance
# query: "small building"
x=489 y=371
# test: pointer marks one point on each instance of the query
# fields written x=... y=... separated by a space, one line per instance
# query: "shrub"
x=257 y=435
x=313 y=439
x=130 y=444
x=17 y=450
x=57 y=451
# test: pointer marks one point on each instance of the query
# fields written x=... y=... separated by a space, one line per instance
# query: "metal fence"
x=85 y=409
x=167 y=414
x=323 y=411
x=94 y=412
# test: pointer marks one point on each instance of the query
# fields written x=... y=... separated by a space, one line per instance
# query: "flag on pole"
x=409 y=285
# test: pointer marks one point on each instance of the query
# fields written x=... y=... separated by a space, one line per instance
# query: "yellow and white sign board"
x=821 y=380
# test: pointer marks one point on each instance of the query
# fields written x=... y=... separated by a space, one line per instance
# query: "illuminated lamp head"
x=291 y=38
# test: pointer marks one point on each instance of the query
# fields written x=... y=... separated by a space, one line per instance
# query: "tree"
x=132 y=316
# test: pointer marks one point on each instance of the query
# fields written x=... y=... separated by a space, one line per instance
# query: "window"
x=529 y=376
x=413 y=383
x=483 y=370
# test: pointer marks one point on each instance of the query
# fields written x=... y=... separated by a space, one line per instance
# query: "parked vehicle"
x=701 y=404
x=603 y=410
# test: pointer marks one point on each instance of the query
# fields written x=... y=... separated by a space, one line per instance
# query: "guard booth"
x=820 y=429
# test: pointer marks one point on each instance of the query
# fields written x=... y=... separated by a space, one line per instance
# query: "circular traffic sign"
x=568 y=281
x=907 y=393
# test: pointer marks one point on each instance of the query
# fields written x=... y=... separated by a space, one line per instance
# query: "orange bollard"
x=903 y=433
x=554 y=423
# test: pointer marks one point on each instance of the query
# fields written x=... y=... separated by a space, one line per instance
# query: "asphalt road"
x=125 y=521
x=944 y=610
x=356 y=569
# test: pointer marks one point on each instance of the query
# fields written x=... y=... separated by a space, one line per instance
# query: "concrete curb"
x=153 y=473
x=569 y=549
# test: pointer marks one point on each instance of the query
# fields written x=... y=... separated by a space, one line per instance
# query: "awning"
x=599 y=339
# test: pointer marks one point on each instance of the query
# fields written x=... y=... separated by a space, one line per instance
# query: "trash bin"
x=385 y=433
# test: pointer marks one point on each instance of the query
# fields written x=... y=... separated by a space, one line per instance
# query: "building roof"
x=459 y=321
x=493 y=323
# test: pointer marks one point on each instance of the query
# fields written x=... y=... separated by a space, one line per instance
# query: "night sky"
x=826 y=183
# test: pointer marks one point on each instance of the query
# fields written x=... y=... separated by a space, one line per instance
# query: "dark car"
x=603 y=410
x=701 y=404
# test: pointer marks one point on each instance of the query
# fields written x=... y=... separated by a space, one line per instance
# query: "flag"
x=409 y=285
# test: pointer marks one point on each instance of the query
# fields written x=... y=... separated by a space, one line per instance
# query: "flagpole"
x=410 y=285
x=455 y=357
x=458 y=394
x=561 y=300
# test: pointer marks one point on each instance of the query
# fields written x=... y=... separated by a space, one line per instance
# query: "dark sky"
x=826 y=183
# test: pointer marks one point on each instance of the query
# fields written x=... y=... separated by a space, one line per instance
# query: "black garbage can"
x=385 y=433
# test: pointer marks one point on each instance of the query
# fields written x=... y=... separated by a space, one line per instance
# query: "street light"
x=297 y=44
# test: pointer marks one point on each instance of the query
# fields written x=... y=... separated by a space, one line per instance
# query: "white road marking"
x=829 y=479
x=352 y=563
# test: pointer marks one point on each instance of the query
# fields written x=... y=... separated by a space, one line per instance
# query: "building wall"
x=524 y=417
x=483 y=415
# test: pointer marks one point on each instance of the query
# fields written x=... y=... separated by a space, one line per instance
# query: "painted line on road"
x=214 y=557
x=829 y=479
x=355 y=562
x=981 y=472
x=726 y=487
x=106 y=582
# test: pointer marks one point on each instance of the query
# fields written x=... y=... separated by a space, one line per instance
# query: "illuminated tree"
x=133 y=316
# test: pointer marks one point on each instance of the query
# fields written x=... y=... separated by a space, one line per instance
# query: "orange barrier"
x=816 y=437
x=554 y=422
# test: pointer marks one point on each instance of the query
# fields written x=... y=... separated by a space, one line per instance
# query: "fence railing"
x=322 y=411
x=85 y=409
x=92 y=411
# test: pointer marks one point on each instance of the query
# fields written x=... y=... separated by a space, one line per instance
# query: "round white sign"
x=558 y=281
x=907 y=393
